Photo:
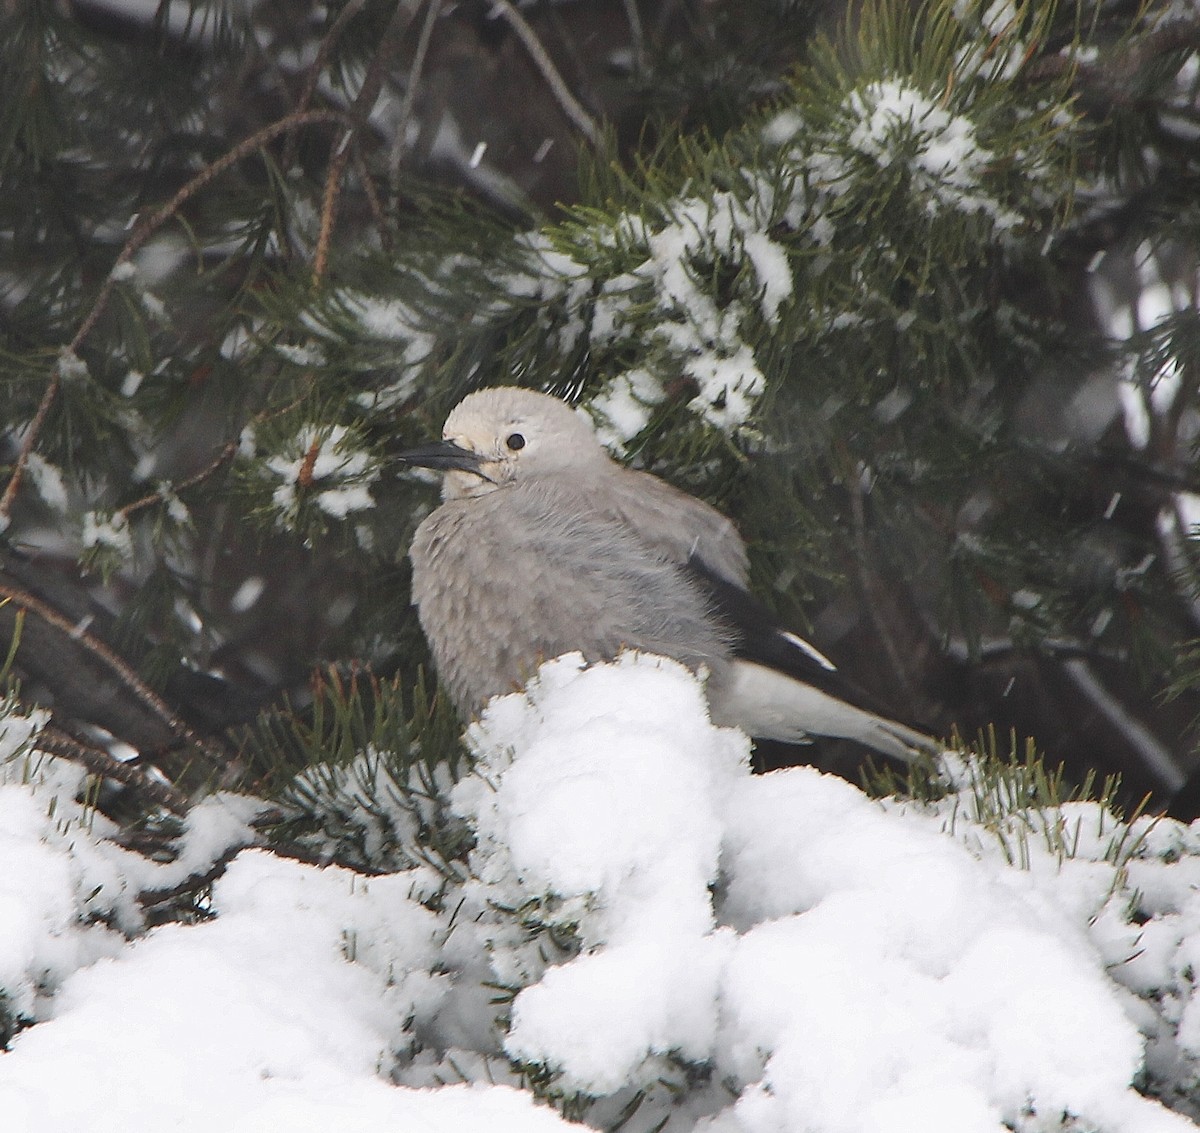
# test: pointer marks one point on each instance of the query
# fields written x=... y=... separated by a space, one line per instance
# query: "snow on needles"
x=894 y=122
x=252 y=1021
x=689 y=947
x=665 y=303
x=859 y=969
x=329 y=462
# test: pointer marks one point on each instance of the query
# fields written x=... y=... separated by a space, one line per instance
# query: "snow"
x=657 y=298
x=326 y=462
x=622 y=409
x=48 y=480
x=392 y=321
x=707 y=339
x=253 y=1020
x=887 y=974
x=247 y=594
x=736 y=953
x=104 y=530
x=72 y=367
x=896 y=123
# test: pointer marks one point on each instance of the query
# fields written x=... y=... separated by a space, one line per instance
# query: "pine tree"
x=881 y=309
x=910 y=291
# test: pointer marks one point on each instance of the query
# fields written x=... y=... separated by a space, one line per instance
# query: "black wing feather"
x=760 y=638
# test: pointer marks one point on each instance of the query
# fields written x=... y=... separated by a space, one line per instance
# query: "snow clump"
x=644 y=933
x=831 y=961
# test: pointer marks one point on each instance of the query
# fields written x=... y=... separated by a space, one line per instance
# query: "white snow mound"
x=841 y=965
x=695 y=948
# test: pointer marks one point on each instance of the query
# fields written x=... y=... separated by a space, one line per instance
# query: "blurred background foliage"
x=250 y=250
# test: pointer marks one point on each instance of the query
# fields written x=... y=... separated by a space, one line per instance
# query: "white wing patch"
x=810 y=650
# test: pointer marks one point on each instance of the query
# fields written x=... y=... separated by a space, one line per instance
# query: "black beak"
x=443 y=455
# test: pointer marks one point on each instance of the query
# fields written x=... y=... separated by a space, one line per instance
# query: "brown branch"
x=142 y=232
x=373 y=201
x=30 y=439
x=1113 y=75
x=316 y=67
x=410 y=94
x=364 y=102
x=333 y=187
x=150 y=898
x=227 y=453
x=144 y=229
x=297 y=853
x=99 y=762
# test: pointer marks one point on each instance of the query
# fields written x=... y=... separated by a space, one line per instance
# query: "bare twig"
x=373 y=201
x=333 y=187
x=567 y=102
x=30 y=439
x=410 y=92
x=368 y=95
x=317 y=66
x=100 y=762
x=143 y=230
x=227 y=453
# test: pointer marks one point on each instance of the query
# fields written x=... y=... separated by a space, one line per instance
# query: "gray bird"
x=544 y=545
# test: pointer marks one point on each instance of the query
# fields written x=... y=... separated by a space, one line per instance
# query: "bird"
x=545 y=545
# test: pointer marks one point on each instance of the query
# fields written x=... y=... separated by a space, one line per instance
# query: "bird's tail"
x=771 y=705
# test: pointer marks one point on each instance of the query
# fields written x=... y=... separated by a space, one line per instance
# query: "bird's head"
x=504 y=436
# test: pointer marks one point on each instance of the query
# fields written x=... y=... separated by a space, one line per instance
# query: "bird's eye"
x=515 y=441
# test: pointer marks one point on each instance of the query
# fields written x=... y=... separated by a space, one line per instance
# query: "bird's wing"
x=771 y=705
x=674 y=524
x=523 y=574
x=761 y=642
x=760 y=638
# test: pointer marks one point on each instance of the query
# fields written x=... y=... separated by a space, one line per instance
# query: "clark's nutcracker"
x=543 y=545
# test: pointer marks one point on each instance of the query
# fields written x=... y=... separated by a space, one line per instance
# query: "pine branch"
x=142 y=232
x=360 y=112
x=150 y=899
x=159 y=791
x=1112 y=77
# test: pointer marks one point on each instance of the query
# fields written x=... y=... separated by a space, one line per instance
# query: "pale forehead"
x=491 y=410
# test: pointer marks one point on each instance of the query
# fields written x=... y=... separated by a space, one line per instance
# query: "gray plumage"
x=543 y=545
